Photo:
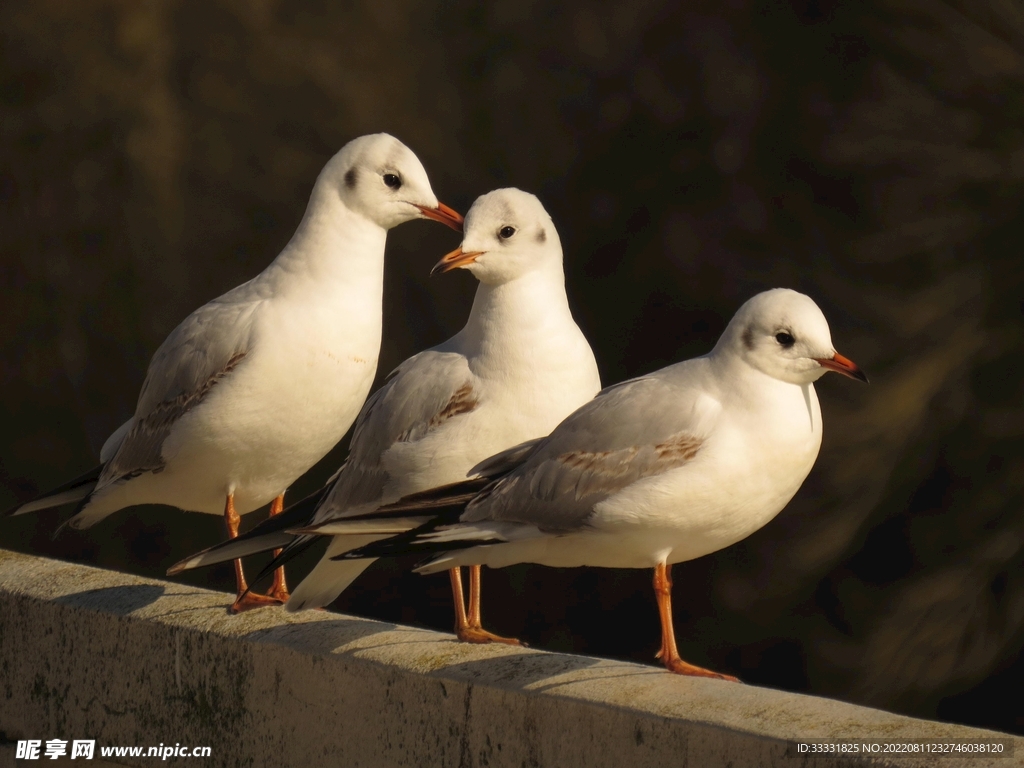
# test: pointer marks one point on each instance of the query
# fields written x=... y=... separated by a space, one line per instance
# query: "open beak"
x=447 y=216
x=843 y=365
x=454 y=260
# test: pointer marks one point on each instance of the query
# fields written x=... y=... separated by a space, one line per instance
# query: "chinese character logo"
x=28 y=750
x=82 y=748
x=56 y=748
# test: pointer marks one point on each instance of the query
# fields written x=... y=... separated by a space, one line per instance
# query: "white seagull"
x=518 y=367
x=255 y=387
x=654 y=471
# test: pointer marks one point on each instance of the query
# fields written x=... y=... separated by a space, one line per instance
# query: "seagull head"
x=784 y=334
x=507 y=234
x=380 y=178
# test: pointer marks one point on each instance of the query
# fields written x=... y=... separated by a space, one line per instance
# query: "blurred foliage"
x=869 y=152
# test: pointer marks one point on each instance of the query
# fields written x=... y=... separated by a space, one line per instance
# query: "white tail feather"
x=330 y=577
x=344 y=527
x=466 y=532
x=56 y=500
x=232 y=550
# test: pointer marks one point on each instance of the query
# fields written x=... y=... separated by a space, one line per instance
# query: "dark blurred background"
x=869 y=153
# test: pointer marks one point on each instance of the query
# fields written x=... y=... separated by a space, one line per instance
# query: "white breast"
x=748 y=470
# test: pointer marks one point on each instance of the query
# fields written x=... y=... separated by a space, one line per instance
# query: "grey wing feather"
x=206 y=347
x=634 y=430
x=423 y=393
x=507 y=460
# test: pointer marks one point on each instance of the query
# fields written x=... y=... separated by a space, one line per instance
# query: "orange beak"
x=454 y=260
x=843 y=365
x=447 y=216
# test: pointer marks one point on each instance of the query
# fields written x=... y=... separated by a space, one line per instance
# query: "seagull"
x=518 y=367
x=256 y=386
x=654 y=471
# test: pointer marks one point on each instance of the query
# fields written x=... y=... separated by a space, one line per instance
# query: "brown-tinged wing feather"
x=635 y=430
x=207 y=347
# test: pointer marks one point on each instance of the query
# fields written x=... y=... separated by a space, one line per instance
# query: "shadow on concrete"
x=322 y=637
x=119 y=601
x=520 y=671
x=616 y=672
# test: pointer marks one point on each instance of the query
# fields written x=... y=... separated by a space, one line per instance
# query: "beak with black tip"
x=447 y=216
x=454 y=260
x=843 y=365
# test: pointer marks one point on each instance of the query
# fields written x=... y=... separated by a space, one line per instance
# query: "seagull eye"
x=785 y=339
x=506 y=232
x=392 y=180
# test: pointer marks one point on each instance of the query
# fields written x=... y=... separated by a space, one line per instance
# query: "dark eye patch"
x=748 y=337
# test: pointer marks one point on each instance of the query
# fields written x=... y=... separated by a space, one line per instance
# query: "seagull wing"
x=208 y=346
x=631 y=431
x=423 y=395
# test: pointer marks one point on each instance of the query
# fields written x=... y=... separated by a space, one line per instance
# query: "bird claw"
x=480 y=635
x=250 y=601
x=680 y=667
x=281 y=595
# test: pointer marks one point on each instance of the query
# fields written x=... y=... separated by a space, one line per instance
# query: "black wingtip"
x=412 y=541
x=446 y=503
x=442 y=497
x=297 y=515
x=92 y=476
x=299 y=545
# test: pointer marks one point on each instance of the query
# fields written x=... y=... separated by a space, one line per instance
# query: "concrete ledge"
x=100 y=655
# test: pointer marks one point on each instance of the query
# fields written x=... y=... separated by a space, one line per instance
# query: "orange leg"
x=244 y=600
x=669 y=654
x=469 y=629
x=461 y=622
x=279 y=590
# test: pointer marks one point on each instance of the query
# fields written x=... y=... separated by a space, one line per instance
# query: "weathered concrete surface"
x=86 y=653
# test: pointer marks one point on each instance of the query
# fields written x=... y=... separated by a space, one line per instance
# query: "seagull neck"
x=516 y=317
x=333 y=243
x=752 y=387
x=731 y=367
